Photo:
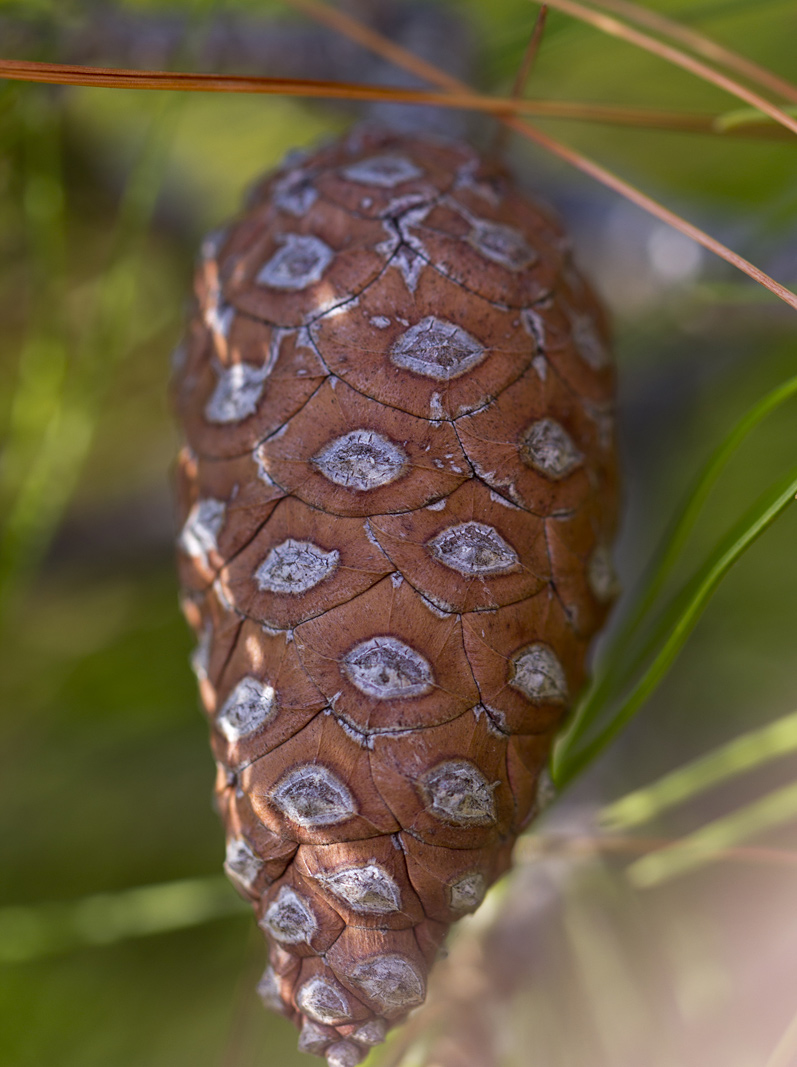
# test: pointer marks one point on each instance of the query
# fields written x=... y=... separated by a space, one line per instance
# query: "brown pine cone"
x=397 y=500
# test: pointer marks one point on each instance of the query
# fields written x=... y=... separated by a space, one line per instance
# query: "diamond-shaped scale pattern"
x=397 y=501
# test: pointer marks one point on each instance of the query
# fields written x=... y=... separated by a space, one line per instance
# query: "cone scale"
x=397 y=498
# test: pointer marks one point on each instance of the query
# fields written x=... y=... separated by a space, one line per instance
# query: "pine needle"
x=402 y=57
x=614 y=28
x=673 y=629
x=702 y=45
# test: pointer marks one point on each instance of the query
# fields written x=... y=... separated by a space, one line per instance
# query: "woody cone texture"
x=397 y=498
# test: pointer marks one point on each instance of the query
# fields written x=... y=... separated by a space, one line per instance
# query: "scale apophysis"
x=397 y=500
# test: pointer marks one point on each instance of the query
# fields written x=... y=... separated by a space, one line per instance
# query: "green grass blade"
x=616 y=669
x=676 y=625
x=33 y=931
x=742 y=754
x=705 y=844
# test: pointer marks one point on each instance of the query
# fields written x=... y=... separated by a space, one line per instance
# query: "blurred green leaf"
x=52 y=432
x=744 y=753
x=29 y=932
x=695 y=849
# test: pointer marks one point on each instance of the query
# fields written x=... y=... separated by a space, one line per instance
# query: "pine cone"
x=397 y=500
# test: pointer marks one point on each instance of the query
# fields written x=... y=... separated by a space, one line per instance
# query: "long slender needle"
x=614 y=28
x=396 y=54
x=702 y=45
x=176 y=81
x=121 y=78
x=530 y=55
x=522 y=76
x=504 y=109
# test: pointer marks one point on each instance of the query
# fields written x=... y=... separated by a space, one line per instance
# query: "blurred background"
x=120 y=943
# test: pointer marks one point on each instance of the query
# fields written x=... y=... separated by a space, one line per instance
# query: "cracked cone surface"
x=397 y=500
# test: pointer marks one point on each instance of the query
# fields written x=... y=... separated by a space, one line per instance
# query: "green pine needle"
x=675 y=626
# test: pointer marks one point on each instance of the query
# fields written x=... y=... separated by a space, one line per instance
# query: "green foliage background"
x=104 y=767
